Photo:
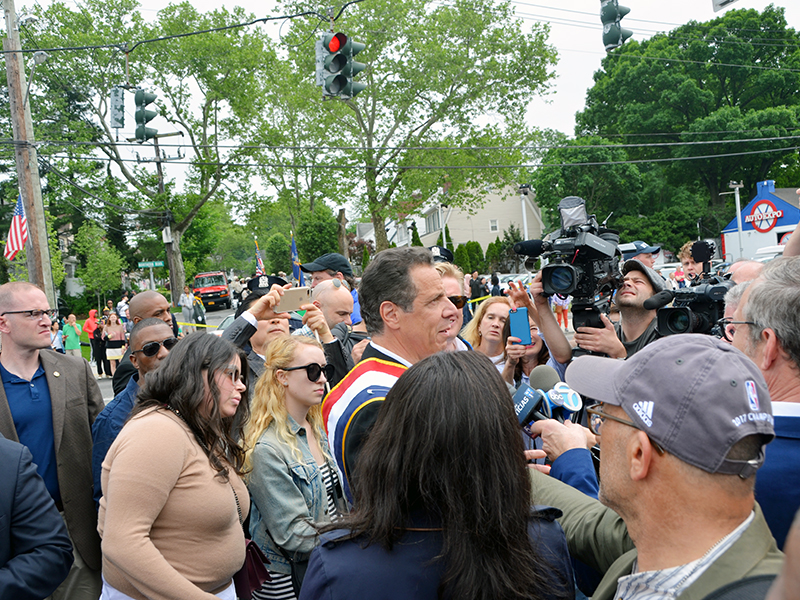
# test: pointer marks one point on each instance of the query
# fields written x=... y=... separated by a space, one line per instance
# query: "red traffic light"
x=337 y=42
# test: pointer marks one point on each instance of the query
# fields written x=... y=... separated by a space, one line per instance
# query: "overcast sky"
x=576 y=32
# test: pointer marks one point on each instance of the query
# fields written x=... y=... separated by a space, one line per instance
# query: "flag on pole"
x=296 y=271
x=18 y=234
x=259 y=262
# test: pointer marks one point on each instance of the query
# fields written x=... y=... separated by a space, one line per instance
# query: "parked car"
x=520 y=278
x=212 y=288
x=223 y=326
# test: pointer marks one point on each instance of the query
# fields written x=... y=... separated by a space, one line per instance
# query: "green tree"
x=364 y=258
x=278 y=253
x=102 y=264
x=461 y=259
x=208 y=86
x=493 y=258
x=476 y=256
x=511 y=260
x=415 y=241
x=440 y=242
x=430 y=76
x=701 y=87
x=316 y=234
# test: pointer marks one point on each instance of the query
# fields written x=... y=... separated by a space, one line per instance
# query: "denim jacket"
x=287 y=496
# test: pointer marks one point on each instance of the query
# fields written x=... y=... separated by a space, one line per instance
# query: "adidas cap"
x=694 y=395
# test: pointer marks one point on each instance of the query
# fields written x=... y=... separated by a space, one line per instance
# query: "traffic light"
x=610 y=14
x=143 y=116
x=336 y=67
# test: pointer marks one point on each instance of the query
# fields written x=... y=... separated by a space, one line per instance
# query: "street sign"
x=151 y=264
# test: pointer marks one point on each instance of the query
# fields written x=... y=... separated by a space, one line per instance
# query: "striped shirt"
x=670 y=583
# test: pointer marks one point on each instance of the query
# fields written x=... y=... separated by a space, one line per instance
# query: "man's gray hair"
x=388 y=278
x=734 y=295
x=774 y=303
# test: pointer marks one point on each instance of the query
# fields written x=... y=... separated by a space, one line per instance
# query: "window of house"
x=493 y=226
x=432 y=222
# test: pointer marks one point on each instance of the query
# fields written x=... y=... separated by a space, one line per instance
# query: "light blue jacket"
x=287 y=496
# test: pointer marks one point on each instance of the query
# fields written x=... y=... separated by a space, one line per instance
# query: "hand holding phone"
x=293 y=299
x=520 y=327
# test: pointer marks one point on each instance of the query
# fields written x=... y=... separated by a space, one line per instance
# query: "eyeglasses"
x=150 y=349
x=314 y=370
x=337 y=283
x=34 y=315
x=597 y=417
x=459 y=301
x=235 y=374
x=727 y=328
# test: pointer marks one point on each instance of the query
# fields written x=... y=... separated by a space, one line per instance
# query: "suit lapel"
x=7 y=428
x=57 y=383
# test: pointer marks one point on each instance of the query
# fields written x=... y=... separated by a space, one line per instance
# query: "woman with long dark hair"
x=443 y=499
x=173 y=500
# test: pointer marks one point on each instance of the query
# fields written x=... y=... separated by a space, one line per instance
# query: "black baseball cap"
x=333 y=261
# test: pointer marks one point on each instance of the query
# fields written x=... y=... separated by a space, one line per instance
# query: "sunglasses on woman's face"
x=150 y=349
x=459 y=301
x=314 y=370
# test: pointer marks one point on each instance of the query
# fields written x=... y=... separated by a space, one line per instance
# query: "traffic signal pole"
x=30 y=188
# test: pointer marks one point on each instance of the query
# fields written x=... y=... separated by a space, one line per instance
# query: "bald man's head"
x=335 y=301
x=745 y=270
x=149 y=305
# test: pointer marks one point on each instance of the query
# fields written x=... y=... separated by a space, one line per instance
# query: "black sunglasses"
x=151 y=348
x=459 y=301
x=314 y=370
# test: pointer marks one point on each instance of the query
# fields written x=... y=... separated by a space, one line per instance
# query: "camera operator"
x=637 y=326
x=692 y=269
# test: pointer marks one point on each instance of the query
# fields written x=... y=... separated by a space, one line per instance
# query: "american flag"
x=259 y=262
x=18 y=234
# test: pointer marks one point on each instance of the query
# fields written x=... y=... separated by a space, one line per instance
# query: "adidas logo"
x=645 y=411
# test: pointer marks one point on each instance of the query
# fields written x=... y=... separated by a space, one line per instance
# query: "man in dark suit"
x=48 y=402
x=408 y=316
x=35 y=552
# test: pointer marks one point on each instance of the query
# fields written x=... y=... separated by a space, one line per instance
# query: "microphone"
x=529 y=402
x=563 y=401
x=544 y=377
x=531 y=247
x=662 y=298
x=528 y=405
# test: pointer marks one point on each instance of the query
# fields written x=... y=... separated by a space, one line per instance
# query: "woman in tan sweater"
x=173 y=499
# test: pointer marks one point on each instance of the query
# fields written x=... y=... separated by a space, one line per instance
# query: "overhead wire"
x=401 y=167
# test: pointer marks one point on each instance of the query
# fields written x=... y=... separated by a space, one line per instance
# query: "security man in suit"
x=48 y=402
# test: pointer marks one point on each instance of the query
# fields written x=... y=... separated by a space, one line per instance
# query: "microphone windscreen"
x=526 y=402
x=662 y=298
x=529 y=247
x=544 y=378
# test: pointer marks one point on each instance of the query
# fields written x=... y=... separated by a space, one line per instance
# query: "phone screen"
x=520 y=327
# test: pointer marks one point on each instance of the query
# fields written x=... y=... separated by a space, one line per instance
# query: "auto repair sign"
x=764 y=216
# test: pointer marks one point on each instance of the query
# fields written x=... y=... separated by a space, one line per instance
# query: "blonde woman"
x=293 y=482
x=485 y=331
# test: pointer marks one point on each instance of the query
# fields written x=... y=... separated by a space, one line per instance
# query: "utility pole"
x=736 y=187
x=39 y=270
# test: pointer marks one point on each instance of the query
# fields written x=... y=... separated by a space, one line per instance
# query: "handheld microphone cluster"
x=533 y=403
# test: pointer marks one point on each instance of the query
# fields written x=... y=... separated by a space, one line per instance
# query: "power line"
x=460 y=167
x=444 y=148
x=123 y=46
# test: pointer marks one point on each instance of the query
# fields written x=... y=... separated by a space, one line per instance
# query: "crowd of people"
x=373 y=448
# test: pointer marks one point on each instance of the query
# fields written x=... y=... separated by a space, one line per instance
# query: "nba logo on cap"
x=752 y=394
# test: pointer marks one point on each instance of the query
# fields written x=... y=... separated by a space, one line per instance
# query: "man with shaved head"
x=151 y=340
x=145 y=305
x=745 y=270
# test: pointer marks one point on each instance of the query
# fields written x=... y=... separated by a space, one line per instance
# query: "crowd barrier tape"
x=479 y=299
x=197 y=325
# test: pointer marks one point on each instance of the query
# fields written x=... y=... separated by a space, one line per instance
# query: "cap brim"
x=594 y=377
x=312 y=267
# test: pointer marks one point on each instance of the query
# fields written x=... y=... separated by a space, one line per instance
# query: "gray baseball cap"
x=694 y=395
x=657 y=282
